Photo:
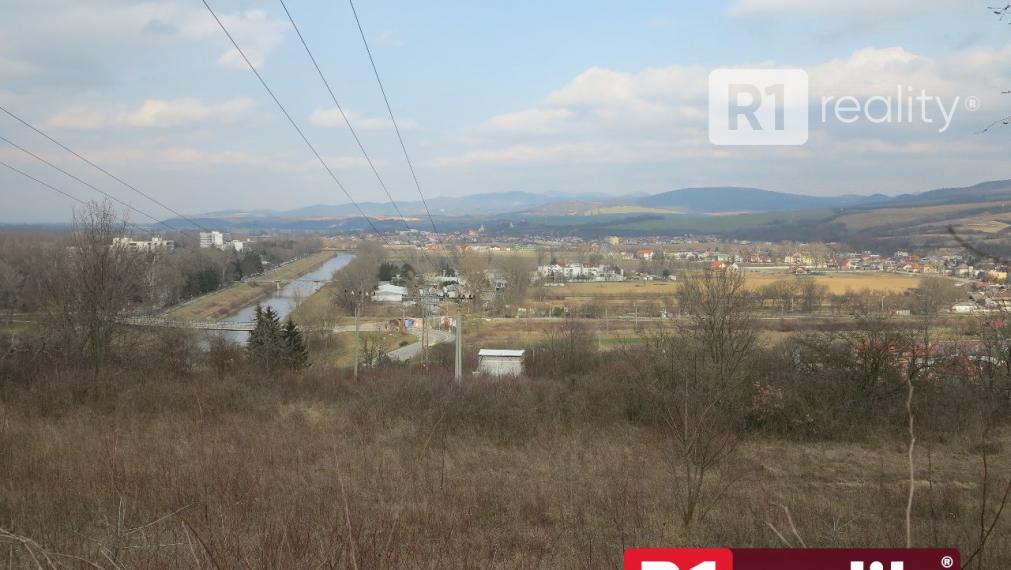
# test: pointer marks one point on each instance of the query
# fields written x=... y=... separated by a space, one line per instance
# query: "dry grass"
x=839 y=283
x=319 y=307
x=625 y=291
x=225 y=302
x=526 y=333
x=903 y=216
x=310 y=472
x=338 y=352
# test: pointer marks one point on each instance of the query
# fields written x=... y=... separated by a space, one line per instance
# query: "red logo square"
x=679 y=559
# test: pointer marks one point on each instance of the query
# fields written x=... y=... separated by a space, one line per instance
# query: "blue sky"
x=493 y=96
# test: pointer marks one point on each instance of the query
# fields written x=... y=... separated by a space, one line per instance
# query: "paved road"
x=410 y=351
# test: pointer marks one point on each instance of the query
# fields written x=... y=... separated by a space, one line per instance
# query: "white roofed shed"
x=497 y=362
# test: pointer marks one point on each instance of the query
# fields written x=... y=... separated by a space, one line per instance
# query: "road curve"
x=408 y=352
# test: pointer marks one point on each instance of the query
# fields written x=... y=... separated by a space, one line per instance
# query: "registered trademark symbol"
x=972 y=104
x=947 y=562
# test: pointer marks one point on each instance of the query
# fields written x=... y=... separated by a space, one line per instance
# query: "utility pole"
x=357 y=309
x=424 y=333
x=458 y=374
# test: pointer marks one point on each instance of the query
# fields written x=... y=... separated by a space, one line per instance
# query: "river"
x=284 y=301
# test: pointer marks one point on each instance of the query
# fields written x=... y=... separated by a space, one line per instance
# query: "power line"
x=291 y=120
x=47 y=185
x=55 y=189
x=344 y=115
x=389 y=108
x=89 y=185
x=99 y=168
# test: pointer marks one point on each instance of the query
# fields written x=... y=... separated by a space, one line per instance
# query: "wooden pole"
x=357 y=309
x=458 y=374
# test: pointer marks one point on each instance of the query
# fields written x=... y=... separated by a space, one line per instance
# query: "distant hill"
x=727 y=199
x=476 y=204
x=981 y=212
x=982 y=192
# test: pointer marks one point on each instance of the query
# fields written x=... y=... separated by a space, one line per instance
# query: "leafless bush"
x=569 y=351
x=696 y=381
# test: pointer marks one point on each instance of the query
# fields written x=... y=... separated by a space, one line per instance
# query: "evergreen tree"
x=256 y=337
x=267 y=346
x=297 y=353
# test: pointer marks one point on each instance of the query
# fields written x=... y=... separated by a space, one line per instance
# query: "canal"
x=287 y=298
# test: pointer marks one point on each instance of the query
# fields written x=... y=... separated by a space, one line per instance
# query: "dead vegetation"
x=313 y=470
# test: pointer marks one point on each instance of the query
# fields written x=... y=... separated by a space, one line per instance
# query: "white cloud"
x=606 y=91
x=330 y=117
x=523 y=154
x=660 y=114
x=173 y=157
x=105 y=32
x=852 y=10
x=153 y=113
x=257 y=35
x=531 y=120
x=10 y=68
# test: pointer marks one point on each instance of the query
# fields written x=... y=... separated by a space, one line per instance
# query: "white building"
x=966 y=307
x=212 y=239
x=389 y=293
x=579 y=272
x=154 y=244
x=500 y=362
x=220 y=241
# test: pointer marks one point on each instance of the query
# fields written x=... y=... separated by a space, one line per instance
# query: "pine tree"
x=266 y=344
x=256 y=336
x=297 y=353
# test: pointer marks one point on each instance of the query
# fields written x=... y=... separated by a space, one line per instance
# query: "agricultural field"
x=837 y=283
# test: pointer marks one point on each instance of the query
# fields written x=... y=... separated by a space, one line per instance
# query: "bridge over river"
x=233 y=326
x=236 y=326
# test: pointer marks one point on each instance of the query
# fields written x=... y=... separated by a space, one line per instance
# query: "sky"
x=539 y=96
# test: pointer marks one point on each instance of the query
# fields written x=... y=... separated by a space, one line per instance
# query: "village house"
x=579 y=272
x=644 y=253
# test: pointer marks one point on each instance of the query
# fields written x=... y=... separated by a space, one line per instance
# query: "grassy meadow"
x=399 y=470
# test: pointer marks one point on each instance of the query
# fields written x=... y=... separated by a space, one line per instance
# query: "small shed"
x=388 y=293
x=494 y=362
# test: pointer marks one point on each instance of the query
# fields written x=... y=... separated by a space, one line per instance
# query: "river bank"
x=223 y=303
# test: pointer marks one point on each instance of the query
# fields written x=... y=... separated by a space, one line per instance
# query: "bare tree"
x=934 y=295
x=697 y=381
x=94 y=284
x=9 y=286
x=358 y=278
x=812 y=294
x=471 y=268
x=517 y=270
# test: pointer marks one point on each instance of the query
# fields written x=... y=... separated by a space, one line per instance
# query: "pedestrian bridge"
x=242 y=326
x=246 y=326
